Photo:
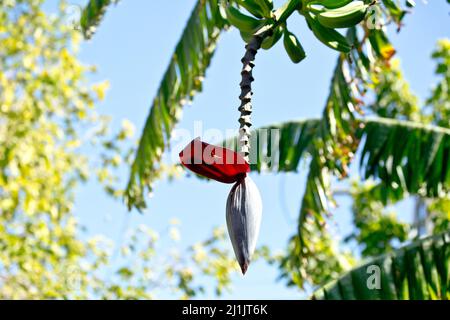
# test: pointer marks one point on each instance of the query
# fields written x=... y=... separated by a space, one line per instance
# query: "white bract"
x=243 y=214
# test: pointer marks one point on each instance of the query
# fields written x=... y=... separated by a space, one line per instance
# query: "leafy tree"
x=51 y=139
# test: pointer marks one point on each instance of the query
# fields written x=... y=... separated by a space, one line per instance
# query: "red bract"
x=213 y=162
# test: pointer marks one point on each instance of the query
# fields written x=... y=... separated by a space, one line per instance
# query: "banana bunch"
x=249 y=25
x=336 y=14
x=329 y=37
x=269 y=42
x=346 y=16
x=293 y=47
x=324 y=16
x=242 y=21
x=258 y=8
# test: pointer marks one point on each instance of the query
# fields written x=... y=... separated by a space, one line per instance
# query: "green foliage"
x=377 y=230
x=395 y=11
x=419 y=167
x=417 y=272
x=333 y=148
x=44 y=100
x=399 y=172
x=292 y=142
x=439 y=214
x=48 y=126
x=332 y=142
x=393 y=96
x=439 y=102
x=183 y=78
x=153 y=265
x=337 y=141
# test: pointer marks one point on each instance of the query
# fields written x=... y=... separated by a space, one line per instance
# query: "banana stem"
x=246 y=94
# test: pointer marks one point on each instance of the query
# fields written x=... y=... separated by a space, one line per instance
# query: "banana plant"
x=332 y=141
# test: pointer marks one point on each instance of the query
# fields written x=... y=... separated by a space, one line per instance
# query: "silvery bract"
x=244 y=210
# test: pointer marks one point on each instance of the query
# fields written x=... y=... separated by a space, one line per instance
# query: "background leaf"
x=416 y=272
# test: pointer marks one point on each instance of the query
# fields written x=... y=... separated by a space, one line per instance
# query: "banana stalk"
x=293 y=47
x=244 y=205
x=246 y=94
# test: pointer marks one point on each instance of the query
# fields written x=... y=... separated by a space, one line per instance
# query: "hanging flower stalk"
x=246 y=95
x=244 y=205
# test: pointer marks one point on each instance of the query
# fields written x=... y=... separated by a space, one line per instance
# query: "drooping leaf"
x=182 y=80
x=419 y=271
x=280 y=147
x=336 y=142
x=333 y=147
x=420 y=166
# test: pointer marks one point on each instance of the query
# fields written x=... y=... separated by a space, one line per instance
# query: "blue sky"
x=132 y=48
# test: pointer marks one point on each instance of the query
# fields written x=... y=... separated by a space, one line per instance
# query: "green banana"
x=281 y=14
x=293 y=47
x=253 y=7
x=315 y=8
x=331 y=4
x=243 y=22
x=246 y=36
x=266 y=5
x=344 y=17
x=269 y=42
x=327 y=36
